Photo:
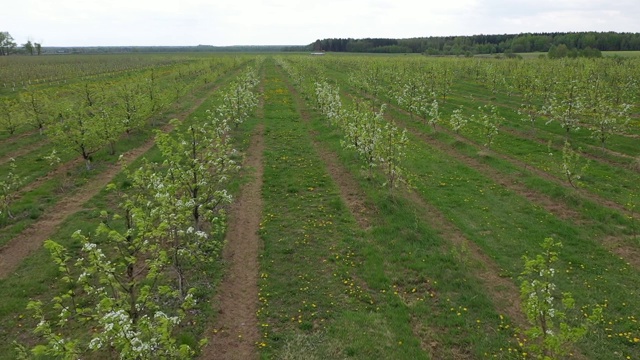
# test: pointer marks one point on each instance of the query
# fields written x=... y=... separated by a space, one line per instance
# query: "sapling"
x=552 y=329
x=489 y=120
x=9 y=189
x=9 y=116
x=573 y=166
x=434 y=113
x=457 y=120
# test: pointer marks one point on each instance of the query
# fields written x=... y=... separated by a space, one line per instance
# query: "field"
x=304 y=207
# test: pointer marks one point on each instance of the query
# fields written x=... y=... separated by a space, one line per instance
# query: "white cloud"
x=192 y=22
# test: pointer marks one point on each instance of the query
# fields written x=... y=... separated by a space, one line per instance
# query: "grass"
x=610 y=177
x=621 y=53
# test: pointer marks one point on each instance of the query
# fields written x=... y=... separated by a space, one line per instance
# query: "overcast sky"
x=289 y=22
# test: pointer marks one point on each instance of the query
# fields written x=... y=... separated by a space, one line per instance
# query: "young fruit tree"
x=198 y=162
x=391 y=151
x=457 y=120
x=573 y=165
x=9 y=190
x=10 y=119
x=36 y=105
x=77 y=128
x=607 y=120
x=489 y=120
x=553 y=329
x=119 y=295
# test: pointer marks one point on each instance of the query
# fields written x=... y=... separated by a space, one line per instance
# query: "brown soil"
x=619 y=245
x=13 y=138
x=235 y=333
x=349 y=188
x=22 y=151
x=30 y=240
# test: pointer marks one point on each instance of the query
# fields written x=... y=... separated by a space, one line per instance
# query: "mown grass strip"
x=507 y=226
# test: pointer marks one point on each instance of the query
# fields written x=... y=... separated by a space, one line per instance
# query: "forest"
x=485 y=44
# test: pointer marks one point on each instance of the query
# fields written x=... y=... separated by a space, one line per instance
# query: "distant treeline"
x=485 y=44
x=159 y=49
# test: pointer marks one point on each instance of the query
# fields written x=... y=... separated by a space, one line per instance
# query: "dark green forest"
x=486 y=44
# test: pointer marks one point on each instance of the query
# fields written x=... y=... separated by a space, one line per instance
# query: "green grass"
x=621 y=53
x=610 y=177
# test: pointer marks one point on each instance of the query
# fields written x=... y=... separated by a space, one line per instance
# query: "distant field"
x=535 y=55
x=621 y=53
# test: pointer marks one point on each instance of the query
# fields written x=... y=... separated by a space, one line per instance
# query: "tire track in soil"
x=13 y=138
x=502 y=291
x=22 y=151
x=31 y=239
x=235 y=332
x=516 y=162
x=616 y=244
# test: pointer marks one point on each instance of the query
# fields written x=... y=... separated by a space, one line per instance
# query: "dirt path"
x=30 y=240
x=236 y=330
x=235 y=333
